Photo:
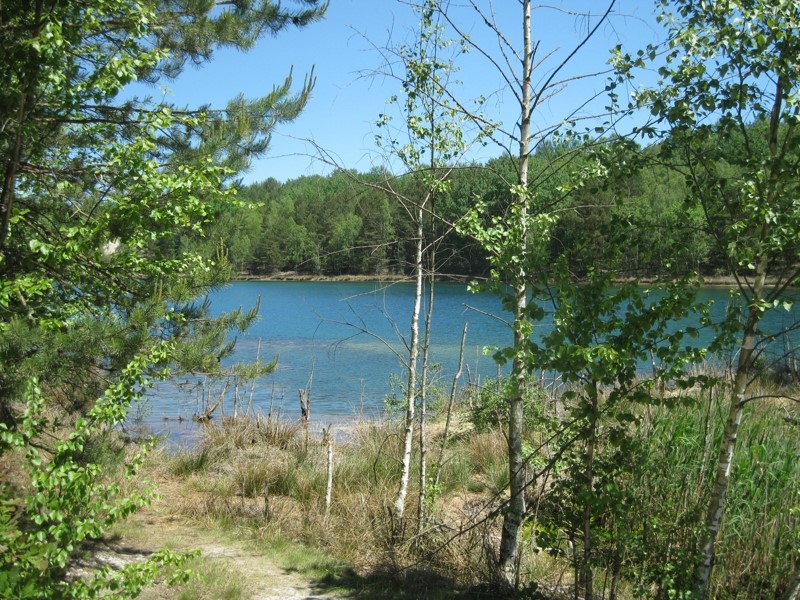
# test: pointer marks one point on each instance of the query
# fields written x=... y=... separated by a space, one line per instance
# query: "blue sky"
x=344 y=49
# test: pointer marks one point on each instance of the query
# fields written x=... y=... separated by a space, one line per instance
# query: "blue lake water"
x=351 y=336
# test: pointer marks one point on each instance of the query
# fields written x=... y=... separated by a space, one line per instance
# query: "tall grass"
x=759 y=536
x=757 y=542
x=267 y=476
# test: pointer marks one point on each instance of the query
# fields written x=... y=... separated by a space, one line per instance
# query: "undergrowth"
x=268 y=477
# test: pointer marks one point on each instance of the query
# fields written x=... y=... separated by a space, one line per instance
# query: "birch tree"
x=516 y=241
x=432 y=141
x=731 y=71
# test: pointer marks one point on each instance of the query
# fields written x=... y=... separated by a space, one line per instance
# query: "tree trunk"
x=587 y=577
x=305 y=412
x=716 y=506
x=423 y=404
x=793 y=591
x=26 y=100
x=327 y=438
x=426 y=344
x=305 y=405
x=508 y=558
x=450 y=402
x=400 y=500
x=616 y=574
x=253 y=384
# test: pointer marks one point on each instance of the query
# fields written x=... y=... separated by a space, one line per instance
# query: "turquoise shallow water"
x=351 y=335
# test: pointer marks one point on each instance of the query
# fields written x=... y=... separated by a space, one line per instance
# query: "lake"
x=350 y=336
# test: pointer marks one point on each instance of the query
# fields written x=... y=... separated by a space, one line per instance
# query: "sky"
x=347 y=53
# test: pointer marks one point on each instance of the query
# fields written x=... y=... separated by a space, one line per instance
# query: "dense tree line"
x=349 y=223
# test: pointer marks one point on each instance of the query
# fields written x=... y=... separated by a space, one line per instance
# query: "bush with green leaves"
x=487 y=405
x=66 y=501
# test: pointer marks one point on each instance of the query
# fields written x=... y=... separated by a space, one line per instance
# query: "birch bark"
x=508 y=558
x=411 y=389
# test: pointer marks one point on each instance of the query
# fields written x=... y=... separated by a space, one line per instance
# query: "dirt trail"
x=258 y=574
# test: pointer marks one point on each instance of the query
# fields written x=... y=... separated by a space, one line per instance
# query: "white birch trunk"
x=508 y=556
x=716 y=505
x=450 y=403
x=400 y=500
x=793 y=591
x=426 y=342
x=328 y=438
x=423 y=404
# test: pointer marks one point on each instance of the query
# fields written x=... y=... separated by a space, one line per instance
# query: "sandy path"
x=258 y=574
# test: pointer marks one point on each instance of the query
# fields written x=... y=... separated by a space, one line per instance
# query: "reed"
x=757 y=542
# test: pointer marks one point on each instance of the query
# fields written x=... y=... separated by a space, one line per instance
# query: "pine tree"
x=97 y=189
x=94 y=300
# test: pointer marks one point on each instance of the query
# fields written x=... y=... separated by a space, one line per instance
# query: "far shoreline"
x=708 y=281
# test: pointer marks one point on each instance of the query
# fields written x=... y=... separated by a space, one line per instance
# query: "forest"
x=577 y=474
x=348 y=224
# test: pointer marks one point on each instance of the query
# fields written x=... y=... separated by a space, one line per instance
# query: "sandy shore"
x=711 y=280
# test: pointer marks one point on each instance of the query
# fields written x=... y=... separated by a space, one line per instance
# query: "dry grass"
x=268 y=478
x=265 y=477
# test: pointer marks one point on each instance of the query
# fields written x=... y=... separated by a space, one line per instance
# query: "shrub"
x=65 y=500
x=488 y=405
